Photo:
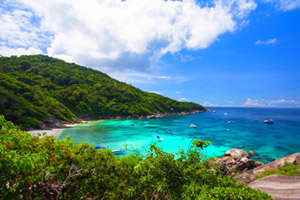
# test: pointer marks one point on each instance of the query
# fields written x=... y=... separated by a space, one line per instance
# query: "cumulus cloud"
x=155 y=92
x=267 y=42
x=251 y=102
x=206 y=103
x=272 y=103
x=178 y=92
x=5 y=51
x=285 y=5
x=183 y=99
x=284 y=102
x=118 y=35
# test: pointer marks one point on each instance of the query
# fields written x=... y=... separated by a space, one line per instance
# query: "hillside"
x=36 y=89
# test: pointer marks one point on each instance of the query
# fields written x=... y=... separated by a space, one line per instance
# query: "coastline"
x=56 y=128
x=53 y=132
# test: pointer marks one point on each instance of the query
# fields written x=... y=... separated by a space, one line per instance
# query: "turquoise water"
x=246 y=131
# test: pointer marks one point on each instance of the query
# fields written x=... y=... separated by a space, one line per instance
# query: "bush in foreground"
x=47 y=168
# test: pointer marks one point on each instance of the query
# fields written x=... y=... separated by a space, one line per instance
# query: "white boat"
x=229 y=122
x=269 y=121
x=192 y=126
x=159 y=138
x=225 y=114
x=118 y=152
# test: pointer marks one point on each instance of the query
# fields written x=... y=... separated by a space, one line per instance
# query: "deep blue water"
x=246 y=131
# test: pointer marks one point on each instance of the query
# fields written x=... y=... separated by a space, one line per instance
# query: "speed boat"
x=159 y=138
x=192 y=126
x=118 y=152
x=269 y=121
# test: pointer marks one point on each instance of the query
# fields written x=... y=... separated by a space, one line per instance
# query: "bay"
x=241 y=128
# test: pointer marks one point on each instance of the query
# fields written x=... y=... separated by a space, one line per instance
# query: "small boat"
x=192 y=126
x=131 y=124
x=269 y=121
x=99 y=147
x=118 y=152
x=159 y=138
x=228 y=130
x=229 y=122
x=213 y=111
x=225 y=114
x=146 y=122
x=176 y=121
x=169 y=131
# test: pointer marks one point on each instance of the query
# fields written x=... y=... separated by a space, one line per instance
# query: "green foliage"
x=201 y=144
x=289 y=169
x=39 y=88
x=47 y=168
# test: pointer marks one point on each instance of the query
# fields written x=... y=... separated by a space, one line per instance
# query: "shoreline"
x=56 y=128
x=54 y=131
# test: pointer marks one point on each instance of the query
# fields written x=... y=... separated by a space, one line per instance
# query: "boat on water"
x=159 y=138
x=99 y=147
x=225 y=114
x=192 y=126
x=269 y=121
x=176 y=121
x=118 y=152
x=213 y=111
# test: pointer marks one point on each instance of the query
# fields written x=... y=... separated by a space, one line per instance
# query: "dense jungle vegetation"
x=33 y=167
x=36 y=89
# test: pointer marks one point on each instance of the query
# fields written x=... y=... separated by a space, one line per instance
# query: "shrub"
x=47 y=168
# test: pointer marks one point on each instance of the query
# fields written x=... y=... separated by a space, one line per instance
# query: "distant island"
x=37 y=91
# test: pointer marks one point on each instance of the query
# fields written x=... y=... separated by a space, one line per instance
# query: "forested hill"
x=36 y=89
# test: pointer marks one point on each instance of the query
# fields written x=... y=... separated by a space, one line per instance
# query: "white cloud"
x=178 y=92
x=130 y=76
x=206 y=103
x=251 y=102
x=272 y=103
x=114 y=35
x=267 y=42
x=284 y=102
x=285 y=5
x=18 y=32
x=183 y=99
x=5 y=51
x=155 y=92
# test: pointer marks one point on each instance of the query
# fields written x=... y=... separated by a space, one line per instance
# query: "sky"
x=212 y=52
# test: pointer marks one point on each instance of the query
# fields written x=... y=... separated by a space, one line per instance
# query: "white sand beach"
x=53 y=132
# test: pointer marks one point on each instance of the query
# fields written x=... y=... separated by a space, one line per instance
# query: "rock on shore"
x=249 y=176
x=236 y=160
x=279 y=186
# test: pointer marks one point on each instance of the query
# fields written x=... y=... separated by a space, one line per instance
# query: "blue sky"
x=222 y=52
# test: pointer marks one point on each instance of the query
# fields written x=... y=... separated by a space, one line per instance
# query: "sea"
x=226 y=128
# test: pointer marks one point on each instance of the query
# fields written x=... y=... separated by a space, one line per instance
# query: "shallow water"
x=246 y=131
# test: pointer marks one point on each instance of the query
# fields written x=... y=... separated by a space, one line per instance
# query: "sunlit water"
x=245 y=130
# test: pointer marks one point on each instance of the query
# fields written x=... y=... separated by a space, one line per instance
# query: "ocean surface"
x=241 y=128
